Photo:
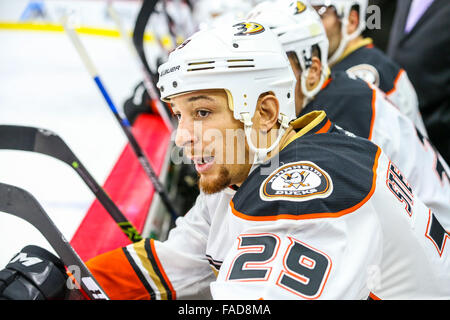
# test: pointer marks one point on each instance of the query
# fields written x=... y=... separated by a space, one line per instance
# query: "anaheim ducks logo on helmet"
x=299 y=7
x=298 y=181
x=248 y=28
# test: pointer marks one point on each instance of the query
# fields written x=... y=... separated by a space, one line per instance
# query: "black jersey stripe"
x=138 y=272
x=215 y=263
x=157 y=270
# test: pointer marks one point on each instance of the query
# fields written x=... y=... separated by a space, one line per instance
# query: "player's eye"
x=203 y=113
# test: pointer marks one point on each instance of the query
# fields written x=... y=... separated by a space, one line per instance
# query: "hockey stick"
x=148 y=84
x=46 y=142
x=147 y=8
x=170 y=22
x=124 y=124
x=22 y=204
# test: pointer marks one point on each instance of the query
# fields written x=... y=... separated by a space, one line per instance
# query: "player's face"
x=332 y=25
x=212 y=138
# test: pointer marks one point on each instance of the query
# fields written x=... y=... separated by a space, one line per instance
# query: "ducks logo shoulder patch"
x=365 y=72
x=296 y=181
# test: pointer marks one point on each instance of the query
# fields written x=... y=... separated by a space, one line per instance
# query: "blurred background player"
x=344 y=22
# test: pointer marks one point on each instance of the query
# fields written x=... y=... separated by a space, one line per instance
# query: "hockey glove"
x=33 y=274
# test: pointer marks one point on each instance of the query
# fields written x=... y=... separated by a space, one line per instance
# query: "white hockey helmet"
x=246 y=60
x=343 y=9
x=299 y=29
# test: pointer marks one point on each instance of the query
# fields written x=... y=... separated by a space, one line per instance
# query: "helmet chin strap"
x=346 y=38
x=261 y=153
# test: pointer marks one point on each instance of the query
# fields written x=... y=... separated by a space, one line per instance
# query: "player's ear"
x=314 y=73
x=353 y=21
x=268 y=107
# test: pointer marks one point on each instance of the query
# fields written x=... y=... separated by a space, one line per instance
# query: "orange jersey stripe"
x=373 y=297
x=325 y=127
x=326 y=83
x=374 y=99
x=158 y=263
x=117 y=277
x=395 y=82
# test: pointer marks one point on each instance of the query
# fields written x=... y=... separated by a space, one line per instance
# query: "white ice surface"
x=43 y=83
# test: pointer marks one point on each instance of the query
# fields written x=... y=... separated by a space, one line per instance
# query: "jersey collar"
x=359 y=44
x=314 y=122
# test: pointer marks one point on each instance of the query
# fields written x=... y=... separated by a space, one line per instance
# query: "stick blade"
x=22 y=204
x=17 y=137
x=23 y=138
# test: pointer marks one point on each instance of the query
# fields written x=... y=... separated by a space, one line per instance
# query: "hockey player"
x=344 y=21
x=313 y=213
x=354 y=104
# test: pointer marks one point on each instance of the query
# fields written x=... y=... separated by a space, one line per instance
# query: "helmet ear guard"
x=245 y=60
x=304 y=65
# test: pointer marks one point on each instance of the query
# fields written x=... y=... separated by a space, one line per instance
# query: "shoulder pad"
x=322 y=175
x=348 y=103
x=362 y=63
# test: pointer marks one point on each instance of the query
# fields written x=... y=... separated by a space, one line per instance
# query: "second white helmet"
x=299 y=29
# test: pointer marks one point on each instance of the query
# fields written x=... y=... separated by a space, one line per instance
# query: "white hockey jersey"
x=362 y=109
x=334 y=220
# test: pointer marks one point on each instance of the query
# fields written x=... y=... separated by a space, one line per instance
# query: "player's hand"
x=33 y=274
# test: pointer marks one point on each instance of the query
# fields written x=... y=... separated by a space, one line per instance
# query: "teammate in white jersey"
x=355 y=105
x=318 y=218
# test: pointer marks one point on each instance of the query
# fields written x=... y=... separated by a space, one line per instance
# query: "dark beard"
x=217 y=185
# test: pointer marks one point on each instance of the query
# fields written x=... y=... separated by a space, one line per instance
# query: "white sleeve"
x=151 y=269
x=182 y=255
x=325 y=258
x=404 y=96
